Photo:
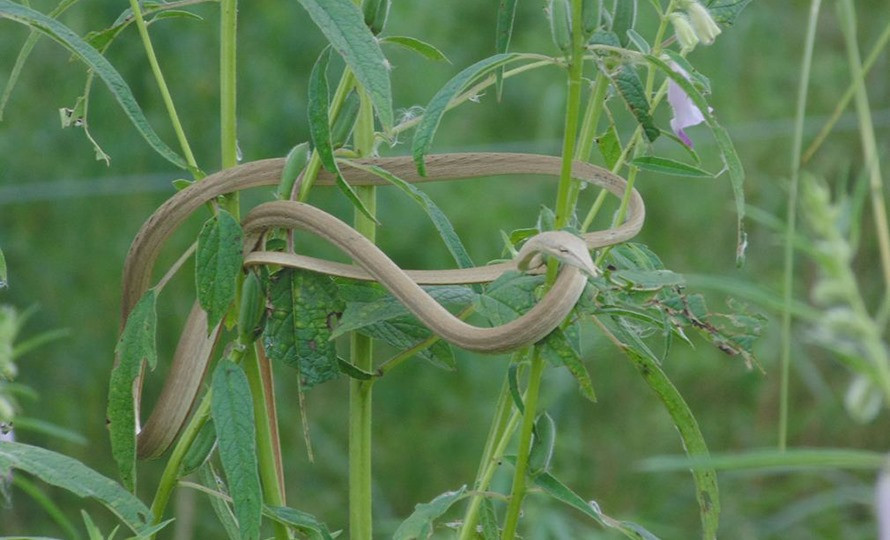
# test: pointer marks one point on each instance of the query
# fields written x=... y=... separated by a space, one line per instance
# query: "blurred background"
x=66 y=222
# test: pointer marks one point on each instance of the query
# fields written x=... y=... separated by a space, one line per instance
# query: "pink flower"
x=686 y=113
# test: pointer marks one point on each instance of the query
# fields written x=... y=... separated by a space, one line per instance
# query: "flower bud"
x=683 y=30
x=863 y=400
x=702 y=22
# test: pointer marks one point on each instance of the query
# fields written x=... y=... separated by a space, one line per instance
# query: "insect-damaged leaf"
x=304 y=308
x=137 y=344
x=217 y=263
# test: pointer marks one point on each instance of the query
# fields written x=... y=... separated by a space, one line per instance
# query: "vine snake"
x=196 y=346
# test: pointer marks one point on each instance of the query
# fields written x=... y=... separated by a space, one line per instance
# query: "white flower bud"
x=702 y=22
x=683 y=30
x=863 y=400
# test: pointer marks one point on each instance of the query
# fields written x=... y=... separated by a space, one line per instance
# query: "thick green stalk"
x=162 y=86
x=273 y=491
x=360 y=392
x=171 y=470
x=586 y=137
x=790 y=231
x=228 y=94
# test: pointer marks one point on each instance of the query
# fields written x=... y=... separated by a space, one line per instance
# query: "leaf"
x=435 y=109
x=489 y=521
x=768 y=460
x=509 y=296
x=351 y=371
x=360 y=314
x=299 y=520
x=217 y=264
x=136 y=345
x=630 y=87
x=561 y=350
x=669 y=166
x=559 y=491
x=72 y=475
x=422 y=48
x=727 y=150
x=405 y=333
x=503 y=33
x=725 y=12
x=320 y=128
x=232 y=412
x=623 y=19
x=419 y=524
x=639 y=41
x=609 y=145
x=304 y=309
x=210 y=478
x=3 y=274
x=343 y=24
x=98 y=64
x=513 y=385
x=200 y=449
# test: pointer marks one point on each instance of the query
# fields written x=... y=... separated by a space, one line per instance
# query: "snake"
x=196 y=345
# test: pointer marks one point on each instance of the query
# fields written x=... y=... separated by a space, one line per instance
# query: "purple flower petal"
x=686 y=114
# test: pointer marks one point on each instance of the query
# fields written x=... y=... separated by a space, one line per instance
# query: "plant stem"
x=360 y=410
x=273 y=491
x=790 y=231
x=517 y=493
x=228 y=94
x=171 y=470
x=162 y=86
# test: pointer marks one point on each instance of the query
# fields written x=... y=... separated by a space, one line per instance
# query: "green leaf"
x=630 y=87
x=200 y=449
x=342 y=23
x=217 y=264
x=559 y=491
x=669 y=166
x=541 y=453
x=209 y=477
x=503 y=33
x=304 y=309
x=98 y=64
x=646 y=280
x=351 y=371
x=136 y=345
x=769 y=460
x=419 y=524
x=232 y=412
x=435 y=109
x=299 y=520
x=725 y=12
x=560 y=348
x=489 y=521
x=404 y=333
x=513 y=385
x=609 y=145
x=92 y=530
x=509 y=296
x=705 y=478
x=422 y=48
x=72 y=475
x=3 y=274
x=360 y=314
x=623 y=19
x=437 y=216
x=639 y=41
x=727 y=150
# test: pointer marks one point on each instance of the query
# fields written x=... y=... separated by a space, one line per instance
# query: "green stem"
x=171 y=469
x=511 y=522
x=228 y=94
x=273 y=494
x=360 y=410
x=587 y=136
x=788 y=278
x=162 y=86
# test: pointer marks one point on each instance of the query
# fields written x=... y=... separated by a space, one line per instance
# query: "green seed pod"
x=375 y=12
x=253 y=302
x=293 y=165
x=560 y=24
x=590 y=16
x=542 y=448
x=200 y=449
x=345 y=120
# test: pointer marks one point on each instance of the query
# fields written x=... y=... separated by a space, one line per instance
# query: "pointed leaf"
x=623 y=19
x=435 y=109
x=560 y=348
x=419 y=525
x=72 y=475
x=232 y=411
x=217 y=264
x=136 y=345
x=301 y=521
x=489 y=521
x=405 y=333
x=726 y=11
x=342 y=22
x=100 y=66
x=609 y=146
x=503 y=32
x=3 y=274
x=422 y=48
x=304 y=309
x=669 y=166
x=630 y=87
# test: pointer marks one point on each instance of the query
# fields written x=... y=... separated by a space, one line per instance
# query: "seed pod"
x=560 y=24
x=542 y=448
x=253 y=302
x=590 y=16
x=345 y=120
x=375 y=12
x=293 y=165
x=200 y=449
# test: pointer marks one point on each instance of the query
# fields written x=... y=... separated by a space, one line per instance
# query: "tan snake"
x=196 y=346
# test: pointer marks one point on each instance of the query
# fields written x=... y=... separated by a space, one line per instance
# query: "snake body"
x=195 y=347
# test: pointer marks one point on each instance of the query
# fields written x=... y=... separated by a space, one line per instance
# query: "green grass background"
x=66 y=222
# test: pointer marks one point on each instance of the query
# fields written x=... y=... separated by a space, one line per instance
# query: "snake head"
x=565 y=246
